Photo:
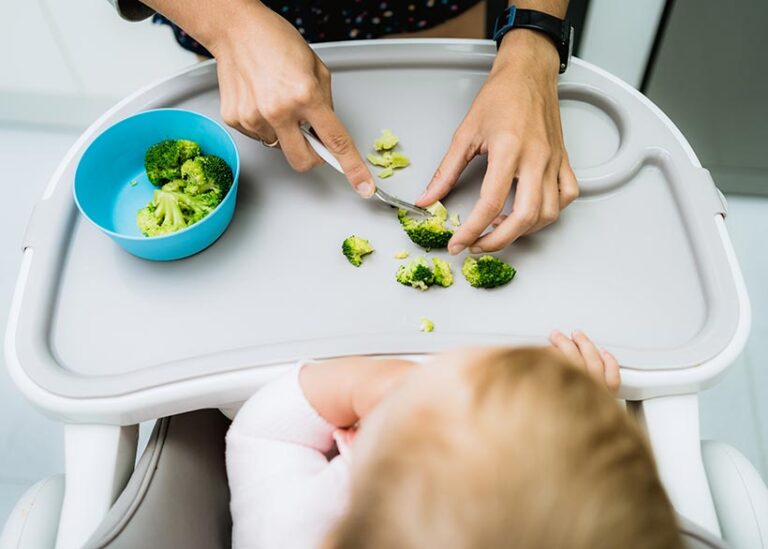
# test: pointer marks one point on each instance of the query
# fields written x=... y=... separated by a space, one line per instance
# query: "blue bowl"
x=111 y=185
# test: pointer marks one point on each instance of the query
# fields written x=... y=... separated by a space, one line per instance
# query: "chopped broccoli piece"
x=205 y=174
x=438 y=210
x=487 y=272
x=378 y=160
x=398 y=160
x=402 y=254
x=454 y=219
x=428 y=233
x=163 y=160
x=385 y=173
x=386 y=141
x=416 y=273
x=354 y=248
x=426 y=325
x=442 y=270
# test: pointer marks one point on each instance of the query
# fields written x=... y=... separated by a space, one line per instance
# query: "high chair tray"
x=639 y=261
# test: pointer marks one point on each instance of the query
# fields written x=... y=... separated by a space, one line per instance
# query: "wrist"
x=223 y=30
x=530 y=49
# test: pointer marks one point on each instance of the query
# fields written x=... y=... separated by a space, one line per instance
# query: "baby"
x=480 y=448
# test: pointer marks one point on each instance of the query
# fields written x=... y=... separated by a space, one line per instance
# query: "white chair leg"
x=672 y=424
x=98 y=461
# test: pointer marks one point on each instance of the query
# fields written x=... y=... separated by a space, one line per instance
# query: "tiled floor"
x=735 y=411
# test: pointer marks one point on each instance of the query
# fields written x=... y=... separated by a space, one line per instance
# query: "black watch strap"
x=559 y=30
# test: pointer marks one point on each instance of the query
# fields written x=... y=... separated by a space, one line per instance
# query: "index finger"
x=493 y=195
x=336 y=139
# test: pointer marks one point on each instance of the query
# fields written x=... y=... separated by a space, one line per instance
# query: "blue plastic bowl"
x=111 y=185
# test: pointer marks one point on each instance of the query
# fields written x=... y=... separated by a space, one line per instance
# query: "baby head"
x=503 y=448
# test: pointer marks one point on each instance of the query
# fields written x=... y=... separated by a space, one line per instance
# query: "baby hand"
x=601 y=364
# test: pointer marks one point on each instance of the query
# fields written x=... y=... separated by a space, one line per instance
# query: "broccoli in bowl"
x=191 y=184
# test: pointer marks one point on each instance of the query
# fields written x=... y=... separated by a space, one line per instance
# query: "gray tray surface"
x=636 y=261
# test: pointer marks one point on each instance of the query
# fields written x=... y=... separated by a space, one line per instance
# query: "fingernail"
x=456 y=249
x=476 y=250
x=366 y=189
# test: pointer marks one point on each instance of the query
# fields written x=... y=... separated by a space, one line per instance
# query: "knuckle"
x=570 y=193
x=528 y=217
x=229 y=117
x=339 y=143
x=549 y=215
x=492 y=204
x=304 y=93
x=275 y=111
x=507 y=140
x=303 y=164
x=357 y=172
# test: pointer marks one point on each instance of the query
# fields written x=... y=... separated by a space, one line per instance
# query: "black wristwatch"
x=559 y=30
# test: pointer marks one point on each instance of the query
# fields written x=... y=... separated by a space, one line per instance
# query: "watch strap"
x=558 y=30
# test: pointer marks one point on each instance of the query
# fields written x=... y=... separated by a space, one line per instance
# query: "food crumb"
x=133 y=183
x=455 y=221
x=385 y=173
x=426 y=325
x=402 y=254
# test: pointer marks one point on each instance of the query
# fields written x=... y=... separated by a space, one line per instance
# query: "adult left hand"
x=515 y=121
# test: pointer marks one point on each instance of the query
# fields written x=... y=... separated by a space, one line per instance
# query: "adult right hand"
x=270 y=81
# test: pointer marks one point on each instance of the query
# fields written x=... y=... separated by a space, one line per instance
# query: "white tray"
x=640 y=261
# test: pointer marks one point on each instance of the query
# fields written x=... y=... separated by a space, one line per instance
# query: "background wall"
x=64 y=62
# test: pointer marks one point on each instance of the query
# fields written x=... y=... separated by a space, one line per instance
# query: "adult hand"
x=271 y=81
x=515 y=120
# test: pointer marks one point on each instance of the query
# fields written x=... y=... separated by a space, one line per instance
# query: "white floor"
x=735 y=411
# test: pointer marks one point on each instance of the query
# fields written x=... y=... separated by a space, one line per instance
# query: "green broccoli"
x=426 y=325
x=386 y=141
x=354 y=248
x=442 y=270
x=163 y=160
x=416 y=273
x=428 y=233
x=378 y=160
x=170 y=210
x=162 y=215
x=385 y=173
x=487 y=272
x=207 y=173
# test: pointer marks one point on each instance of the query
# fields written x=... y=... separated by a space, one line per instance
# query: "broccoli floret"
x=386 y=141
x=162 y=215
x=487 y=272
x=354 y=248
x=163 y=160
x=442 y=270
x=428 y=233
x=170 y=211
x=205 y=174
x=426 y=325
x=416 y=273
x=173 y=186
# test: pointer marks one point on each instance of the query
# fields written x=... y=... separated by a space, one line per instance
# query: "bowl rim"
x=144 y=238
